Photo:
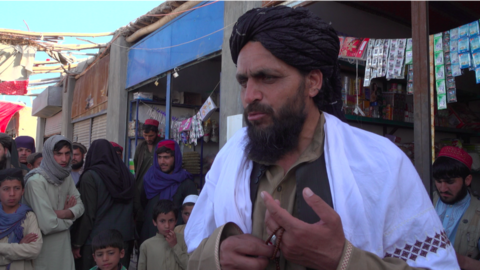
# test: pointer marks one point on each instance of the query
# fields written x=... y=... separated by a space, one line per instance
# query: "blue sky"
x=69 y=16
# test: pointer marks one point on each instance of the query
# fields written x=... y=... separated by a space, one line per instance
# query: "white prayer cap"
x=190 y=199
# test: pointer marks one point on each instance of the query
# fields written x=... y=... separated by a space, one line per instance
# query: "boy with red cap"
x=457 y=208
x=165 y=180
x=142 y=161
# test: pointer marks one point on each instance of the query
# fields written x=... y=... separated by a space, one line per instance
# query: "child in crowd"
x=108 y=250
x=34 y=160
x=187 y=208
x=167 y=249
x=20 y=237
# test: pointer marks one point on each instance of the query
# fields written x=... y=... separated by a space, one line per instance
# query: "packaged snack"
x=454 y=58
x=473 y=28
x=440 y=72
x=463 y=45
x=448 y=70
x=440 y=87
x=447 y=60
x=454 y=34
x=408 y=58
x=456 y=71
x=464 y=60
x=463 y=31
x=453 y=45
x=437 y=42
x=441 y=101
x=409 y=44
x=439 y=58
x=451 y=83
x=474 y=43
x=476 y=59
x=452 y=96
x=477 y=74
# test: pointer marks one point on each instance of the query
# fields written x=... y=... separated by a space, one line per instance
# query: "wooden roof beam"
x=54 y=34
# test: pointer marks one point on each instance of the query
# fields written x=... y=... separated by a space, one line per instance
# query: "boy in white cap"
x=187 y=208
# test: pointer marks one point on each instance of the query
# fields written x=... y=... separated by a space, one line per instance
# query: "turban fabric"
x=300 y=39
x=25 y=142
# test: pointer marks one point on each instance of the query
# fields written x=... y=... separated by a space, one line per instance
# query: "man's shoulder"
x=475 y=202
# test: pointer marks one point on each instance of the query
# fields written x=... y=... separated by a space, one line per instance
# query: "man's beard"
x=460 y=196
x=269 y=144
x=78 y=165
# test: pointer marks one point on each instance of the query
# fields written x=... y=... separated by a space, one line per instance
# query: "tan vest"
x=468 y=232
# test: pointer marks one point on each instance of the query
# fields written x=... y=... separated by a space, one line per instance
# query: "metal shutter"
x=99 y=127
x=53 y=125
x=81 y=132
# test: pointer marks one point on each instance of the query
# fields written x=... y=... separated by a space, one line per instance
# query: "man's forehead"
x=63 y=150
x=22 y=148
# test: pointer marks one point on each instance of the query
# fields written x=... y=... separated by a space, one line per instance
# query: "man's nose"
x=252 y=92
x=443 y=187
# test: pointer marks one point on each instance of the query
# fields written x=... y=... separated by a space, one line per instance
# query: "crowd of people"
x=297 y=188
x=72 y=208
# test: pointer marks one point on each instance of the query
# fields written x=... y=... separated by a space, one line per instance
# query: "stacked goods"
x=191 y=162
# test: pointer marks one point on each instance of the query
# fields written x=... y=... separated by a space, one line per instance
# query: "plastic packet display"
x=409 y=44
x=437 y=42
x=448 y=70
x=440 y=72
x=451 y=83
x=441 y=101
x=440 y=86
x=463 y=31
x=408 y=58
x=463 y=45
x=454 y=34
x=454 y=58
x=477 y=74
x=473 y=28
x=438 y=58
x=448 y=60
x=452 y=96
x=474 y=43
x=476 y=59
x=454 y=45
x=456 y=70
x=464 y=60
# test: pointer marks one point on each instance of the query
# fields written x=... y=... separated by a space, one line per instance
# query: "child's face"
x=11 y=192
x=187 y=210
x=108 y=258
x=165 y=223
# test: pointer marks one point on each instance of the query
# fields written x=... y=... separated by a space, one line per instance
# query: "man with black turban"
x=8 y=152
x=298 y=188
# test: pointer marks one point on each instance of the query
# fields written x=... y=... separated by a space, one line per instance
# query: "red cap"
x=458 y=154
x=167 y=143
x=151 y=122
x=114 y=144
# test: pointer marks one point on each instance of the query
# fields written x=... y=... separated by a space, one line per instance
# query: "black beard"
x=460 y=196
x=77 y=166
x=271 y=143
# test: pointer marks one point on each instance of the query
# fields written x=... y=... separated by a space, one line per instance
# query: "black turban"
x=300 y=39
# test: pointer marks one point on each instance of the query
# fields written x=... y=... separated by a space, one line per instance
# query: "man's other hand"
x=317 y=246
x=244 y=252
x=29 y=238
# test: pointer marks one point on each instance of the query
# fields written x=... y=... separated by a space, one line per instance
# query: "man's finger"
x=250 y=245
x=277 y=213
x=269 y=222
x=319 y=206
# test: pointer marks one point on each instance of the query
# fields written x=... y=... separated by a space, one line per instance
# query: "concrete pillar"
x=68 y=90
x=230 y=103
x=117 y=96
x=40 y=133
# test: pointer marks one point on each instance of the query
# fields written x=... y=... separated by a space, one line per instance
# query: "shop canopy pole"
x=168 y=106
x=421 y=96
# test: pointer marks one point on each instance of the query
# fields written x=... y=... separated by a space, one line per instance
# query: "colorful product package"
x=463 y=31
x=454 y=58
x=451 y=83
x=448 y=70
x=440 y=72
x=463 y=45
x=451 y=96
x=440 y=86
x=439 y=58
x=474 y=43
x=454 y=45
x=441 y=101
x=473 y=28
x=464 y=60
x=437 y=42
x=477 y=74
x=476 y=59
x=454 y=34
x=447 y=58
x=456 y=70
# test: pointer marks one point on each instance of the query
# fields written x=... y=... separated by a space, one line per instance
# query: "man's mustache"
x=260 y=108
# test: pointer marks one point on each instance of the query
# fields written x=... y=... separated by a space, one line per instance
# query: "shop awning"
x=7 y=110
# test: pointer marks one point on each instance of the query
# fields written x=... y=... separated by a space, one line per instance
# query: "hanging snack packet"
x=474 y=43
x=456 y=70
x=437 y=42
x=454 y=58
x=477 y=74
x=439 y=58
x=441 y=87
x=448 y=71
x=447 y=60
x=446 y=41
x=454 y=34
x=463 y=45
x=464 y=60
x=454 y=45
x=452 y=96
x=473 y=28
x=476 y=59
x=440 y=72
x=451 y=83
x=463 y=31
x=441 y=102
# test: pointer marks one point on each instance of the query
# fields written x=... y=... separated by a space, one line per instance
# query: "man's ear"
x=468 y=180
x=122 y=253
x=313 y=82
x=29 y=166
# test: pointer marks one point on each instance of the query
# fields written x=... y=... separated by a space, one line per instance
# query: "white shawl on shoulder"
x=375 y=189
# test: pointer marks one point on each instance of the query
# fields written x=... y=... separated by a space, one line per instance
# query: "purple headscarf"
x=26 y=142
x=165 y=185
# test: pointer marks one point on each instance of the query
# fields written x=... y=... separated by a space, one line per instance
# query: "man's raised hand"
x=317 y=246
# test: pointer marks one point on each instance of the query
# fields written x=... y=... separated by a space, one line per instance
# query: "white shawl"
x=375 y=189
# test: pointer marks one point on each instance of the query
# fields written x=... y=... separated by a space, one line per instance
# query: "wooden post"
x=421 y=96
x=168 y=106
